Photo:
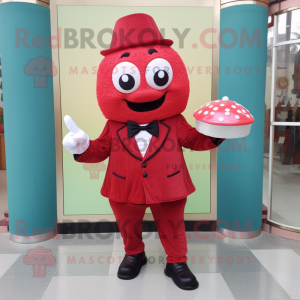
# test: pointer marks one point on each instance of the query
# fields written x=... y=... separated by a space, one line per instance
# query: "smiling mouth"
x=146 y=106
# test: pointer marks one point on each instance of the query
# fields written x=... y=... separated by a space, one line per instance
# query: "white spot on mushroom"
x=215 y=108
x=217 y=101
x=237 y=117
x=207 y=104
x=220 y=119
x=211 y=106
x=227 y=113
x=206 y=112
x=227 y=109
x=239 y=111
x=212 y=113
x=247 y=116
x=243 y=111
x=225 y=98
x=222 y=104
x=233 y=106
x=200 y=111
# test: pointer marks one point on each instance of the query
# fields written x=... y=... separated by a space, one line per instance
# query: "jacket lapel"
x=129 y=143
x=157 y=143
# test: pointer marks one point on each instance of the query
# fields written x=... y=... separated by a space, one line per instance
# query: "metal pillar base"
x=34 y=238
x=239 y=234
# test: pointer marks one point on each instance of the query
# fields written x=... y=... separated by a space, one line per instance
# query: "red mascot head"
x=141 y=78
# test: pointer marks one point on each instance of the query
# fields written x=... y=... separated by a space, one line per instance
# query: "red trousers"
x=169 y=220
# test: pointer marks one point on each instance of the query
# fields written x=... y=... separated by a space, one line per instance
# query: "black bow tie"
x=134 y=128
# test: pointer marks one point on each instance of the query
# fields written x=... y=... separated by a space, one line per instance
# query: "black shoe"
x=131 y=265
x=182 y=276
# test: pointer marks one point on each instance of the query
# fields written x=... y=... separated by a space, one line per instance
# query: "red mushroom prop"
x=223 y=119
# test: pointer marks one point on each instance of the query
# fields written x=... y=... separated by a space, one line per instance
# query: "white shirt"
x=143 y=139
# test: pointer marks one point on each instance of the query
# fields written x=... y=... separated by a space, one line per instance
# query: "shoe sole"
x=186 y=288
x=134 y=276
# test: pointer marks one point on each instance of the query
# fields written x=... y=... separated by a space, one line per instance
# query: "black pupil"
x=161 y=78
x=126 y=82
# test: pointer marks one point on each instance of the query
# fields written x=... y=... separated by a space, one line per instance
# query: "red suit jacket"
x=161 y=175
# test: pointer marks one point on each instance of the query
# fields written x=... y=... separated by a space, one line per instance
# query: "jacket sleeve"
x=98 y=150
x=190 y=138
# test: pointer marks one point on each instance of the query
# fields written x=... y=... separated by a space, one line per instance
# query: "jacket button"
x=144 y=165
x=144 y=174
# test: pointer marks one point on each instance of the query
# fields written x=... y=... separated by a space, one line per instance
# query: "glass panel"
x=269 y=69
x=267 y=117
x=285 y=207
x=266 y=170
x=287 y=84
x=289 y=26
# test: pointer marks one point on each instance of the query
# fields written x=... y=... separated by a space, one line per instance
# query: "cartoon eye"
x=159 y=74
x=126 y=77
x=45 y=68
x=36 y=68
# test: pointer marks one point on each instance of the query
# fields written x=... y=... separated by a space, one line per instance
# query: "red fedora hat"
x=135 y=30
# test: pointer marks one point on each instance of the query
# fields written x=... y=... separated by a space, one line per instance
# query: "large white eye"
x=126 y=77
x=159 y=73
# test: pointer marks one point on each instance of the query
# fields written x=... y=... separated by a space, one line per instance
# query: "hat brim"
x=165 y=42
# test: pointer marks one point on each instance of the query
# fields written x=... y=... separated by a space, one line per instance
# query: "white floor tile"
x=289 y=282
x=6 y=261
x=292 y=215
x=143 y=287
x=295 y=204
x=254 y=286
x=23 y=288
x=281 y=260
x=118 y=257
x=84 y=264
x=76 y=287
x=212 y=286
x=278 y=218
x=282 y=205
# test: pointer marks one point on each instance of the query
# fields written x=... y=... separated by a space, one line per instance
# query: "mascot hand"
x=76 y=141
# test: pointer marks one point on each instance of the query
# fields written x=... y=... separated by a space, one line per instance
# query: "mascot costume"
x=142 y=89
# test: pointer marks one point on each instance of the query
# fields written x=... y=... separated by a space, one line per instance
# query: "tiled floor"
x=266 y=267
x=85 y=267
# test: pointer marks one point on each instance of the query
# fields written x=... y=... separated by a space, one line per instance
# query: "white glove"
x=76 y=141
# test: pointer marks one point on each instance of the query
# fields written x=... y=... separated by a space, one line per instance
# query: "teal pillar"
x=28 y=121
x=243 y=53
